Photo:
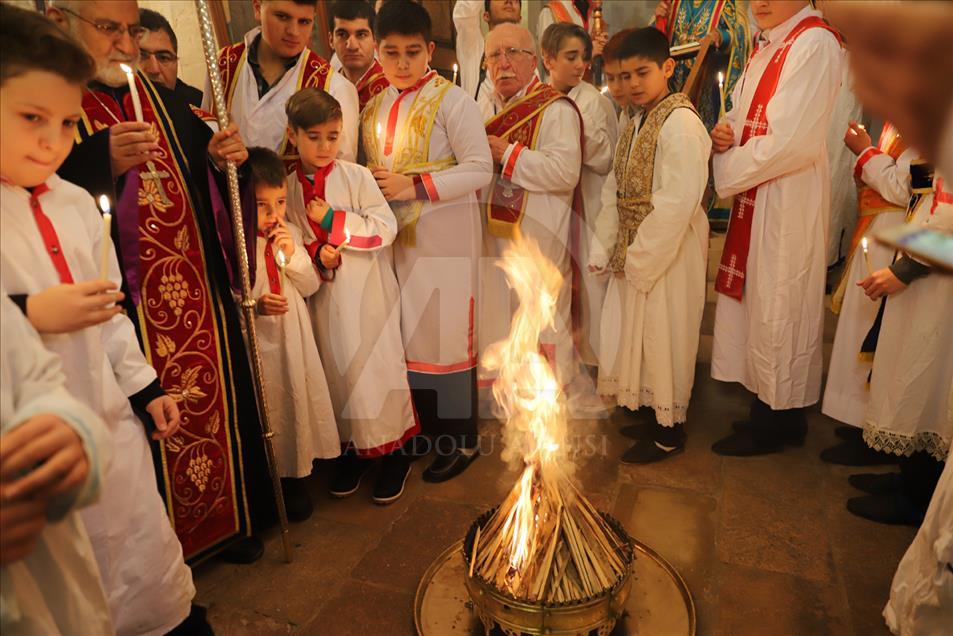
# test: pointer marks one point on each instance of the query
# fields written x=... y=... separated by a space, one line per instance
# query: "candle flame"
x=863 y=244
x=455 y=67
x=126 y=68
x=721 y=78
x=104 y=203
x=280 y=258
x=347 y=235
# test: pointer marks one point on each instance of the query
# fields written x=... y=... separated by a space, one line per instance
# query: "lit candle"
x=721 y=93
x=347 y=241
x=107 y=223
x=131 y=78
x=282 y=262
x=380 y=139
x=863 y=245
x=455 y=69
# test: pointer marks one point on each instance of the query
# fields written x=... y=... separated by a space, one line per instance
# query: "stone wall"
x=181 y=15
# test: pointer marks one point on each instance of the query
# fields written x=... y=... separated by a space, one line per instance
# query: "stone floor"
x=765 y=544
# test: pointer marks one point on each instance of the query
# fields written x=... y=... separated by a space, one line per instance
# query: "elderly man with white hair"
x=535 y=136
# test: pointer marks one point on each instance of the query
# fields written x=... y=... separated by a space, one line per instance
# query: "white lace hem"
x=900 y=444
x=666 y=414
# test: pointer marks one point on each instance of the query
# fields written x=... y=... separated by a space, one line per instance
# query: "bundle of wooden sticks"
x=547 y=543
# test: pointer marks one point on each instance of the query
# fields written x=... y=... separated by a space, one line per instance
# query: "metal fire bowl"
x=579 y=617
x=660 y=603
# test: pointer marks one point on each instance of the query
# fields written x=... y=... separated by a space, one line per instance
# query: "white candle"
x=131 y=78
x=282 y=261
x=455 y=69
x=107 y=223
x=863 y=245
x=347 y=241
x=721 y=93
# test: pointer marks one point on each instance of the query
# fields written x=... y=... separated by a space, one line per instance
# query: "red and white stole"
x=734 y=259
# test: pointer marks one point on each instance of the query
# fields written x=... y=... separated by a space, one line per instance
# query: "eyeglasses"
x=162 y=57
x=510 y=54
x=110 y=29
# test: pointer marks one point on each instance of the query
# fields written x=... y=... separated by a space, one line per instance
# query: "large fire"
x=546 y=542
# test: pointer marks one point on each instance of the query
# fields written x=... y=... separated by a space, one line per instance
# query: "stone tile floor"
x=765 y=544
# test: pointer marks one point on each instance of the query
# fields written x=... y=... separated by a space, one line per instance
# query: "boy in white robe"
x=617 y=86
x=425 y=147
x=770 y=154
x=567 y=52
x=50 y=582
x=348 y=229
x=912 y=375
x=62 y=271
x=300 y=407
x=885 y=191
x=271 y=63
x=654 y=241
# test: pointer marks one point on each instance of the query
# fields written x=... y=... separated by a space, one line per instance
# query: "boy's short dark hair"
x=403 y=17
x=647 y=42
x=267 y=168
x=155 y=21
x=310 y=107
x=351 y=10
x=558 y=32
x=486 y=5
x=30 y=42
x=610 y=52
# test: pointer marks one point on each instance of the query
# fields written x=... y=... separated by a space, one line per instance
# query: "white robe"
x=467 y=18
x=262 y=120
x=913 y=365
x=652 y=314
x=921 y=594
x=549 y=174
x=600 y=127
x=140 y=559
x=55 y=589
x=546 y=17
x=771 y=341
x=438 y=277
x=846 y=393
x=356 y=314
x=299 y=405
x=841 y=160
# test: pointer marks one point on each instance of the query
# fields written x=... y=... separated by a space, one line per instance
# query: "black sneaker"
x=351 y=471
x=393 y=477
x=646 y=451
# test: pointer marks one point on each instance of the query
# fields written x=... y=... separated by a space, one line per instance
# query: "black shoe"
x=791 y=437
x=244 y=551
x=856 y=453
x=747 y=444
x=642 y=430
x=646 y=451
x=416 y=447
x=351 y=471
x=789 y=427
x=298 y=505
x=391 y=481
x=894 y=509
x=849 y=432
x=195 y=624
x=449 y=465
x=876 y=483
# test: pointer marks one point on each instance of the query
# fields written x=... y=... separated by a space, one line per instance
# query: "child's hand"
x=395 y=187
x=131 y=143
x=330 y=258
x=722 y=137
x=317 y=208
x=272 y=305
x=282 y=238
x=881 y=283
x=165 y=415
x=599 y=43
x=21 y=523
x=73 y=306
x=856 y=138
x=48 y=454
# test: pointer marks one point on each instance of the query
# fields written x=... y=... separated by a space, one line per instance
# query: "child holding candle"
x=50 y=249
x=298 y=400
x=653 y=238
x=348 y=229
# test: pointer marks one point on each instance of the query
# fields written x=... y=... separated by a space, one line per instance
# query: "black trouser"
x=447 y=407
x=919 y=475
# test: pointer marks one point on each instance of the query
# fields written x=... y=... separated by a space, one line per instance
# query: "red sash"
x=179 y=327
x=734 y=259
x=51 y=240
x=271 y=266
x=561 y=13
x=371 y=83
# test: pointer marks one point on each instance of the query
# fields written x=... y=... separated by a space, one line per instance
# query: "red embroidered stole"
x=371 y=83
x=734 y=259
x=179 y=326
x=518 y=123
x=561 y=13
x=315 y=72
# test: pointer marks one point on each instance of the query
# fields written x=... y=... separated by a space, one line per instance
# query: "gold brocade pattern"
x=411 y=148
x=634 y=172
